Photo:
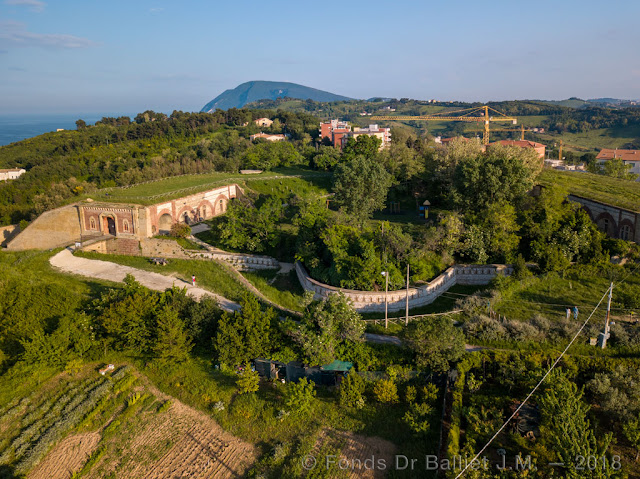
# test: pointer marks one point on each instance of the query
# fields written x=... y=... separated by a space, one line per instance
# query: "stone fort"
x=90 y=220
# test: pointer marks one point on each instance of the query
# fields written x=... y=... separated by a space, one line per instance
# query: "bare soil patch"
x=67 y=457
x=360 y=456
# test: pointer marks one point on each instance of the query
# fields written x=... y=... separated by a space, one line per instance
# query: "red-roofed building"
x=539 y=147
x=334 y=130
x=628 y=157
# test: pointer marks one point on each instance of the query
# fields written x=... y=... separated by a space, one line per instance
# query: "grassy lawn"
x=282 y=289
x=209 y=274
x=174 y=187
x=549 y=295
x=599 y=138
x=614 y=191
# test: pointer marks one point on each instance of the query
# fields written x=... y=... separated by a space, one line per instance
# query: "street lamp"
x=386 y=303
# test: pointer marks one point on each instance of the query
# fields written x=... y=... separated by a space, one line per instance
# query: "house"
x=334 y=130
x=372 y=130
x=538 y=147
x=628 y=157
x=11 y=173
x=264 y=122
x=268 y=137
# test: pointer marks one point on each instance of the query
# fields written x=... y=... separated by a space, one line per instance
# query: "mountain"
x=574 y=102
x=270 y=90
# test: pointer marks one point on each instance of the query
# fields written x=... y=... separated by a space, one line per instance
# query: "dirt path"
x=105 y=270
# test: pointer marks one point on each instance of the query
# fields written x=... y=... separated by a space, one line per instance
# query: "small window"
x=92 y=224
x=625 y=233
x=125 y=226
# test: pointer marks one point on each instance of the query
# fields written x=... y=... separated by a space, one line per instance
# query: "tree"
x=299 y=397
x=244 y=335
x=436 y=343
x=248 y=227
x=324 y=325
x=248 y=380
x=566 y=429
x=352 y=390
x=385 y=391
x=360 y=186
x=363 y=145
x=618 y=169
x=81 y=124
x=500 y=175
x=172 y=344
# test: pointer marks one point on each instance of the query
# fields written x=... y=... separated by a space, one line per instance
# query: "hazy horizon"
x=71 y=56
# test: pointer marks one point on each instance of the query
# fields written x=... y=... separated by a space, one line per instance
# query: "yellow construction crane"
x=477 y=114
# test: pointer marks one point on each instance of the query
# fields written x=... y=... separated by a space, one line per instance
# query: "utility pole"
x=605 y=335
x=406 y=321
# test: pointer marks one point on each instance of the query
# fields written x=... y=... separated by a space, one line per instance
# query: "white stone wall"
x=374 y=301
x=241 y=262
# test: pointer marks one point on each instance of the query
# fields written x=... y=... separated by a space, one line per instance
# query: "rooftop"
x=625 y=155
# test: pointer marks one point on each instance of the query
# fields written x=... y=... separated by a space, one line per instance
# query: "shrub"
x=299 y=397
x=248 y=380
x=351 y=391
x=165 y=407
x=385 y=391
x=180 y=230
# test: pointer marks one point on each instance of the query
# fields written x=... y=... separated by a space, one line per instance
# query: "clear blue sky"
x=71 y=56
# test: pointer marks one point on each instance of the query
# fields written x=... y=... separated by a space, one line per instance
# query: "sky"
x=91 y=56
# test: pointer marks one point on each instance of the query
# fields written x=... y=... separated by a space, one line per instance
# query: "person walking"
x=575 y=312
x=568 y=313
x=193 y=280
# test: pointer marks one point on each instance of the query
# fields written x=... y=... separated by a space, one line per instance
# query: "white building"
x=11 y=174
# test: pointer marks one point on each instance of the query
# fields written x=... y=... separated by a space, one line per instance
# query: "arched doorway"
x=109 y=226
x=164 y=224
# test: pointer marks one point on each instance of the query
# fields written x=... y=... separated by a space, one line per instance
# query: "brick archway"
x=189 y=210
x=607 y=224
x=220 y=205
x=206 y=209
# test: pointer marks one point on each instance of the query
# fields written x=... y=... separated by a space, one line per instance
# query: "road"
x=65 y=261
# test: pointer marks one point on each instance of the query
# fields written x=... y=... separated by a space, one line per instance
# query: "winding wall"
x=374 y=301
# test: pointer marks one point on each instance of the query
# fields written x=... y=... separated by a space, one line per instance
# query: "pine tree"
x=172 y=344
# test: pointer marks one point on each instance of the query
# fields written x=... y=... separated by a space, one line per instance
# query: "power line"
x=536 y=386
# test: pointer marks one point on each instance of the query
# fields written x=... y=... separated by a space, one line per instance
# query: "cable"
x=536 y=386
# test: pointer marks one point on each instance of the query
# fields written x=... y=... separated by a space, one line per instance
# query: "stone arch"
x=92 y=224
x=626 y=230
x=220 y=205
x=125 y=226
x=189 y=211
x=165 y=221
x=607 y=224
x=206 y=209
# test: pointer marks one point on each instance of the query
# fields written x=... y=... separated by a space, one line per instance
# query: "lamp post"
x=386 y=303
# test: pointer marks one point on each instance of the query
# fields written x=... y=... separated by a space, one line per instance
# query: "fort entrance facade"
x=91 y=219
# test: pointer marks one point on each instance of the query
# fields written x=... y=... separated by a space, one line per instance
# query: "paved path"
x=105 y=270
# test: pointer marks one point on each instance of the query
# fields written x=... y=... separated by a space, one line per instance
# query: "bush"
x=299 y=397
x=385 y=391
x=180 y=230
x=351 y=391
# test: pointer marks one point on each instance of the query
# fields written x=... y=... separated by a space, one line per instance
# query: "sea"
x=20 y=127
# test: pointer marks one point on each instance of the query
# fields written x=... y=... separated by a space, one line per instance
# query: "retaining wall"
x=52 y=229
x=374 y=301
x=7 y=233
x=157 y=247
